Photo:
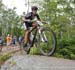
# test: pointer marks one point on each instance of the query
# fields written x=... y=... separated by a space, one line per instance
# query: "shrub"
x=34 y=50
x=3 y=58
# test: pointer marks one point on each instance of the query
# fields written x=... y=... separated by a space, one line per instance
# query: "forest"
x=60 y=14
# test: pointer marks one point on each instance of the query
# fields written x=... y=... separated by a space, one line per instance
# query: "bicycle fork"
x=43 y=36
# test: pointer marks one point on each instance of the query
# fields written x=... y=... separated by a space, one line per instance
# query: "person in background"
x=20 y=38
x=13 y=42
x=8 y=40
x=1 y=43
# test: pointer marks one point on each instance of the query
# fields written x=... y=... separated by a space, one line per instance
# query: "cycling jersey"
x=31 y=16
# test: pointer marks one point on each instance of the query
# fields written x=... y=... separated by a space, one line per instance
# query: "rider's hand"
x=34 y=24
x=28 y=20
x=34 y=20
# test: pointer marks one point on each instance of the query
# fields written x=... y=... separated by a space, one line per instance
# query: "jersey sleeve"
x=28 y=15
x=38 y=17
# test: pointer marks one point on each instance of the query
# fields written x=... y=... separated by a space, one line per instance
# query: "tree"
x=9 y=20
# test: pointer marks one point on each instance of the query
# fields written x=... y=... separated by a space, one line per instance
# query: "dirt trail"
x=32 y=62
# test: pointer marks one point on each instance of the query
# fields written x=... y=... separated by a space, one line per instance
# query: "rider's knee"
x=27 y=31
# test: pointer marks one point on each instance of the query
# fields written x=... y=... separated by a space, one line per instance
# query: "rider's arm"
x=25 y=20
x=38 y=17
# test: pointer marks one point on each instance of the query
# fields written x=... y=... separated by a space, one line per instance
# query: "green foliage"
x=9 y=20
x=35 y=50
x=58 y=55
x=65 y=42
x=66 y=48
x=3 y=58
x=59 y=13
x=67 y=53
x=61 y=16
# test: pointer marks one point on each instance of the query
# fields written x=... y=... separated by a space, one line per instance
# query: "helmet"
x=34 y=8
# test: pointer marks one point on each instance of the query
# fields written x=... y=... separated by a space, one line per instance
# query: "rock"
x=32 y=62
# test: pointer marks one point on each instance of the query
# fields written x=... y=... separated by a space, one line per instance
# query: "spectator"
x=1 y=44
x=20 y=40
x=1 y=40
x=13 y=40
x=8 y=40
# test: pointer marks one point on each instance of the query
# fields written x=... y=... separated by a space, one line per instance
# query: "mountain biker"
x=27 y=18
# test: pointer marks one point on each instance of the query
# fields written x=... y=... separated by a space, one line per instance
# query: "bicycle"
x=43 y=37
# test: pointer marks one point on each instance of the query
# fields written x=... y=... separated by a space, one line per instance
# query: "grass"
x=4 y=57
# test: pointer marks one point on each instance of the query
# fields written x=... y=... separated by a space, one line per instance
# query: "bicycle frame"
x=35 y=28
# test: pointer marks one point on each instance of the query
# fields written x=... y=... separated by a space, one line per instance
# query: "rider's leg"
x=28 y=25
x=26 y=36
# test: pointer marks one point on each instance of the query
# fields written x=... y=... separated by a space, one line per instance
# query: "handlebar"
x=30 y=21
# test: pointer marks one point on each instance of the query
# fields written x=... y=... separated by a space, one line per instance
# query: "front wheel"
x=47 y=41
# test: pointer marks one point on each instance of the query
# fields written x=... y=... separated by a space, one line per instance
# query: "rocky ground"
x=33 y=62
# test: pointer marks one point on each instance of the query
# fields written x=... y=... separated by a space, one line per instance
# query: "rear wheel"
x=27 y=47
x=47 y=46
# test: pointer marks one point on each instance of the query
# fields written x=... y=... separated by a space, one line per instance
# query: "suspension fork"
x=42 y=35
